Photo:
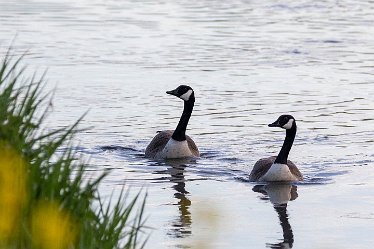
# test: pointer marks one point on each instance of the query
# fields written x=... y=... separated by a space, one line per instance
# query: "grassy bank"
x=45 y=201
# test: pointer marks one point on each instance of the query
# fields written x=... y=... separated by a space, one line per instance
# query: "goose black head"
x=284 y=121
x=183 y=92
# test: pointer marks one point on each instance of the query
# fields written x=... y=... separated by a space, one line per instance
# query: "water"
x=248 y=62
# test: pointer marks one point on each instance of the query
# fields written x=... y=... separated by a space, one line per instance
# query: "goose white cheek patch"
x=288 y=125
x=186 y=96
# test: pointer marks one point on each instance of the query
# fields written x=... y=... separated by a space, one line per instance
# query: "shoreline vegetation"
x=46 y=201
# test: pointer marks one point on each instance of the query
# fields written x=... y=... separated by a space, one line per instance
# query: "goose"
x=279 y=168
x=176 y=144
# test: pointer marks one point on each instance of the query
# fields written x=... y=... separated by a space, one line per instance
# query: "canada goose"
x=176 y=144
x=279 y=168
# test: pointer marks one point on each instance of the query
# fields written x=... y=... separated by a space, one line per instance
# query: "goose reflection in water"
x=279 y=195
x=181 y=226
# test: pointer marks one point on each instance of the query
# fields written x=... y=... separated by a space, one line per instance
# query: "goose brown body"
x=158 y=143
x=263 y=165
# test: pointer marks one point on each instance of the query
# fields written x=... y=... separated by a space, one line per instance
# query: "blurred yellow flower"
x=12 y=191
x=52 y=228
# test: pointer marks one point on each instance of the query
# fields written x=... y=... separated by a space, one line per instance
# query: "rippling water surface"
x=248 y=62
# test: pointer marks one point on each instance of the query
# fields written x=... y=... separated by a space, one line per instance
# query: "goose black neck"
x=287 y=144
x=180 y=132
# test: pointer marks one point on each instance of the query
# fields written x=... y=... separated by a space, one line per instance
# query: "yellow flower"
x=12 y=191
x=52 y=228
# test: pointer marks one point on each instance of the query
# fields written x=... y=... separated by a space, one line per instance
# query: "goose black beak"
x=275 y=124
x=172 y=92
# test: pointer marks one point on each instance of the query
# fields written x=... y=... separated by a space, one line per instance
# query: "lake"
x=248 y=62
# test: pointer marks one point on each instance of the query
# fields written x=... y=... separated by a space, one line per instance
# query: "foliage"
x=46 y=200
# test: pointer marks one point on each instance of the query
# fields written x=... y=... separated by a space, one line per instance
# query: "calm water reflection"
x=248 y=62
x=279 y=195
x=180 y=226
